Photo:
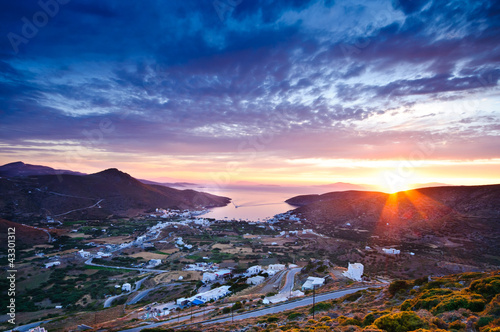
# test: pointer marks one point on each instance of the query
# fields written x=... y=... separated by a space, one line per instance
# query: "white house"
x=313 y=282
x=276 y=267
x=102 y=254
x=223 y=273
x=391 y=251
x=84 y=254
x=47 y=265
x=354 y=271
x=154 y=262
x=253 y=270
x=213 y=294
x=126 y=287
x=208 y=276
x=255 y=280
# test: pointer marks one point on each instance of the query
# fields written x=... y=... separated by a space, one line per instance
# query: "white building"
x=223 y=273
x=253 y=270
x=84 y=254
x=213 y=294
x=126 y=287
x=47 y=265
x=153 y=263
x=391 y=251
x=208 y=276
x=276 y=267
x=101 y=254
x=354 y=271
x=313 y=282
x=255 y=280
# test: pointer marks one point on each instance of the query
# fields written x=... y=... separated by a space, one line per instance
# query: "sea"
x=254 y=203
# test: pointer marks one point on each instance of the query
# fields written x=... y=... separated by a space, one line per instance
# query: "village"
x=168 y=262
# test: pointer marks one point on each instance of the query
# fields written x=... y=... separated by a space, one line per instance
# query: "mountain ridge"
x=97 y=195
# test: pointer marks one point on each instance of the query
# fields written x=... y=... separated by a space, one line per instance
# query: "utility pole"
x=314 y=299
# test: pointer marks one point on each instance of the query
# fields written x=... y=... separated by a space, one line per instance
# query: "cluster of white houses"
x=271 y=269
x=217 y=275
x=211 y=295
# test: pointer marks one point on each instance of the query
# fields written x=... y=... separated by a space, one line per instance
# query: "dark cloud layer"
x=209 y=74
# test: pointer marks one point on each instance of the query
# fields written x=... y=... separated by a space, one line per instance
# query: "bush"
x=294 y=315
x=272 y=319
x=474 y=303
x=400 y=322
x=457 y=325
x=322 y=306
x=398 y=285
x=351 y=321
x=483 y=321
x=487 y=287
x=370 y=318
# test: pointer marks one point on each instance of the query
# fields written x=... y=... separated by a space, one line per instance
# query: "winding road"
x=89 y=262
x=145 y=292
x=261 y=312
x=110 y=300
x=290 y=279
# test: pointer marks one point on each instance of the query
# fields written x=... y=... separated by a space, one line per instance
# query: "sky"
x=386 y=93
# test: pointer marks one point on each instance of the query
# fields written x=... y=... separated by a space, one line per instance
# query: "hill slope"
x=110 y=192
x=19 y=168
x=460 y=220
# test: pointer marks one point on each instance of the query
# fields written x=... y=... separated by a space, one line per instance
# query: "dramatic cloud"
x=211 y=82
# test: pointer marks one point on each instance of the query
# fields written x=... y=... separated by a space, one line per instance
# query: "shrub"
x=370 y=318
x=272 y=319
x=397 y=286
x=351 y=321
x=325 y=319
x=457 y=325
x=322 y=306
x=483 y=321
x=487 y=287
x=400 y=322
x=474 y=303
x=493 y=308
x=294 y=315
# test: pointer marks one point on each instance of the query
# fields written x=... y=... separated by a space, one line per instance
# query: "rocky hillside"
x=456 y=220
x=463 y=302
x=110 y=192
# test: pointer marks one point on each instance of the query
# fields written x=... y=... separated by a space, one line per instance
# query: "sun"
x=391 y=182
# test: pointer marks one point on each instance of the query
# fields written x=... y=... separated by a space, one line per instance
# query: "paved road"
x=290 y=278
x=110 y=300
x=85 y=208
x=262 y=312
x=274 y=282
x=145 y=292
x=89 y=262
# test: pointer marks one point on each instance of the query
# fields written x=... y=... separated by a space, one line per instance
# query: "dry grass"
x=174 y=275
x=149 y=255
x=113 y=240
x=73 y=235
x=230 y=249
